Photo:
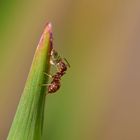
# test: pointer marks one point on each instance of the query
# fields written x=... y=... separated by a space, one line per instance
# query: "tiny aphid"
x=61 y=65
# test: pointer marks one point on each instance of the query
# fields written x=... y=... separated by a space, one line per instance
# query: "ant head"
x=54 y=53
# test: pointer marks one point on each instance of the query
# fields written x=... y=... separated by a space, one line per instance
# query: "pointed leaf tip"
x=49 y=27
x=47 y=32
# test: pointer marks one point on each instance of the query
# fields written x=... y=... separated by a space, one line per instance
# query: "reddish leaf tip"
x=47 y=30
x=49 y=27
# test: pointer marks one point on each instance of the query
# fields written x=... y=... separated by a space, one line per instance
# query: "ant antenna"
x=66 y=62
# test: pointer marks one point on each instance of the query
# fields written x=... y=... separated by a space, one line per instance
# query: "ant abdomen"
x=53 y=87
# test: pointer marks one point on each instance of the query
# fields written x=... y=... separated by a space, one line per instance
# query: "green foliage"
x=28 y=121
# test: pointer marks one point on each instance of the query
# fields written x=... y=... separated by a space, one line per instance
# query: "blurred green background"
x=99 y=98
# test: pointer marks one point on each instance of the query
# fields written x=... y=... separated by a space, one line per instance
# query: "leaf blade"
x=28 y=121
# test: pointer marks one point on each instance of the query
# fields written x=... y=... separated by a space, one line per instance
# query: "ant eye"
x=54 y=53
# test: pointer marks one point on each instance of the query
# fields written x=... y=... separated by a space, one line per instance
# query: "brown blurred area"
x=100 y=95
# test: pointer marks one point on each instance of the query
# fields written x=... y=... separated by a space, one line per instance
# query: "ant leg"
x=51 y=62
x=48 y=75
x=66 y=62
x=46 y=84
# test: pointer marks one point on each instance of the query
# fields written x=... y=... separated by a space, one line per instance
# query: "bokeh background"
x=100 y=95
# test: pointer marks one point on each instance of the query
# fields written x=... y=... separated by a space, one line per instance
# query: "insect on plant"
x=61 y=65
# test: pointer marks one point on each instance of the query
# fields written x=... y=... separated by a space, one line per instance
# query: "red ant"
x=61 y=66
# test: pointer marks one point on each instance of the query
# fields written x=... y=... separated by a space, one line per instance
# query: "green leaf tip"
x=28 y=120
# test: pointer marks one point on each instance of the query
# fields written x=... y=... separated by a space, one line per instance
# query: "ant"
x=61 y=65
